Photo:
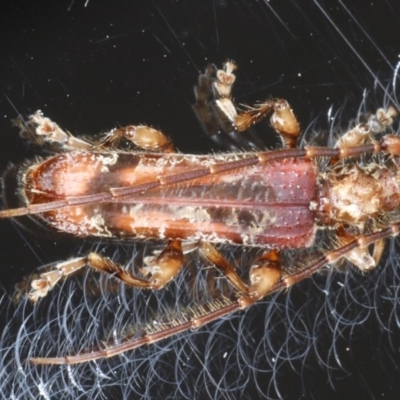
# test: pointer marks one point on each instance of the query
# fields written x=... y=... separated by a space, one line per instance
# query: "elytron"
x=270 y=200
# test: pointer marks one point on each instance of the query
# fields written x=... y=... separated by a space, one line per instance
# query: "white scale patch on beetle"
x=192 y=214
x=95 y=225
x=106 y=160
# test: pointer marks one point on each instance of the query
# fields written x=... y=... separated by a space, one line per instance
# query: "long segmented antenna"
x=388 y=143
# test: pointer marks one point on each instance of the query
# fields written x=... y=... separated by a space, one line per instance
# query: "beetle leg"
x=42 y=131
x=214 y=107
x=264 y=275
x=347 y=250
x=364 y=134
x=382 y=119
x=360 y=256
x=379 y=246
x=142 y=136
x=217 y=259
x=216 y=111
x=203 y=106
x=285 y=123
x=253 y=115
x=47 y=280
x=162 y=268
x=282 y=120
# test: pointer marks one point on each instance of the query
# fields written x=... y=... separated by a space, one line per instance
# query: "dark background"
x=94 y=65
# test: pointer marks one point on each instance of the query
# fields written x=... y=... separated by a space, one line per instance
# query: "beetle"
x=272 y=200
